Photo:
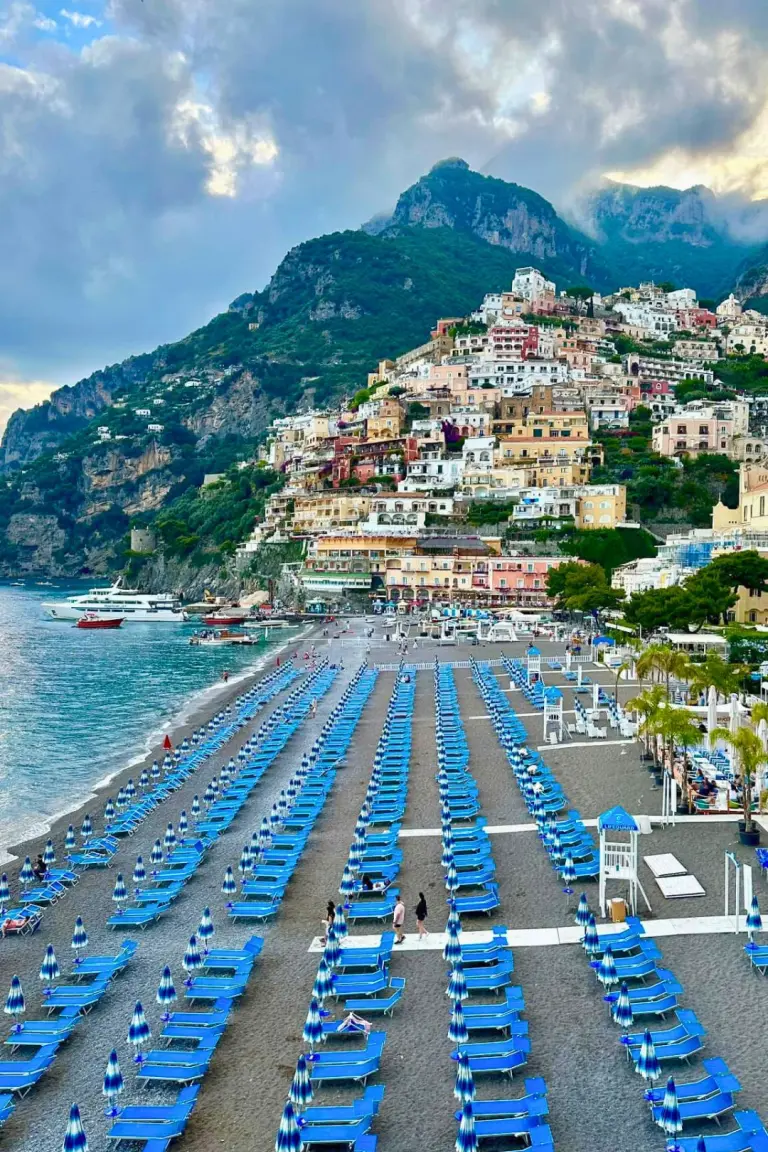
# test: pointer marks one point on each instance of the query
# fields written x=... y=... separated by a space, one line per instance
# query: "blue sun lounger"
x=489 y=977
x=749 y=1136
x=505 y=1063
x=373 y=909
x=79 y=996
x=337 y=1134
x=366 y=1105
x=360 y=983
x=533 y=1103
x=39 y=1033
x=493 y=950
x=485 y=901
x=139 y=917
x=260 y=910
x=641 y=964
x=717 y=1078
x=710 y=1108
x=20 y=1076
x=517 y=1127
x=216 y=987
x=7 y=1106
x=502 y=1019
x=105 y=965
x=378 y=1005
x=357 y=1071
x=687 y=1025
x=156 y=1136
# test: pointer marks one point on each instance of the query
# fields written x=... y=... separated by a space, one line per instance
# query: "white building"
x=531 y=284
x=432 y=472
x=729 y=309
x=514 y=377
x=646 y=573
x=655 y=318
x=404 y=514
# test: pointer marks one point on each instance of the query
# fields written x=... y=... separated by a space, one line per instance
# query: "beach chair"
x=356 y=1071
x=709 y=1108
x=506 y=1062
x=261 y=910
x=39 y=1033
x=374 y=909
x=504 y=1127
x=533 y=1103
x=489 y=977
x=717 y=1078
x=20 y=1076
x=491 y=951
x=105 y=965
x=80 y=996
x=215 y=987
x=360 y=983
x=378 y=1005
x=485 y=901
x=639 y=965
x=749 y=1136
x=366 y=1105
x=344 y=1134
x=156 y=1137
x=7 y=1106
x=139 y=917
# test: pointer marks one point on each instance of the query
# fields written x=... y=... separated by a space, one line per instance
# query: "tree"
x=648 y=706
x=751 y=757
x=714 y=672
x=665 y=661
x=742 y=570
x=711 y=598
x=677 y=728
x=581 y=588
x=660 y=608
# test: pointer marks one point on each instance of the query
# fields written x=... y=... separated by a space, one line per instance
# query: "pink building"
x=455 y=377
x=522 y=580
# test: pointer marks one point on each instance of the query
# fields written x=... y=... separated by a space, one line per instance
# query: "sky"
x=159 y=157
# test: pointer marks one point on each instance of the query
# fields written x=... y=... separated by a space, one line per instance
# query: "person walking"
x=398 y=920
x=421 y=916
x=330 y=916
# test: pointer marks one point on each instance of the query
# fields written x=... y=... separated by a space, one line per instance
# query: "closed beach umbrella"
x=209 y=795
x=648 y=1062
x=701 y=1145
x=26 y=876
x=138 y=1031
x=130 y=789
x=206 y=931
x=606 y=971
x=49 y=969
x=274 y=816
x=254 y=848
x=154 y=771
x=288 y=1134
x=74 y=1138
x=447 y=857
x=139 y=872
x=265 y=835
x=300 y=1093
x=144 y=779
x=754 y=920
x=109 y=810
x=169 y=840
x=122 y=799
x=192 y=960
x=86 y=829
x=568 y=875
x=323 y=985
x=457 y=1029
x=166 y=993
x=340 y=923
x=195 y=809
x=245 y=863
x=5 y=891
x=457 y=985
x=332 y=950
x=313 y=1025
x=582 y=912
x=156 y=855
x=451 y=877
x=119 y=892
x=229 y=884
x=355 y=861
x=670 y=1119
x=622 y=1009
x=466 y=1138
x=347 y=885
x=113 y=1084
x=79 y=939
x=15 y=1004
x=49 y=854
x=464 y=1089
x=591 y=939
x=183 y=824
x=69 y=839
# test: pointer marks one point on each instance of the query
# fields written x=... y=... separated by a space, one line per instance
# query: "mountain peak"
x=450 y=162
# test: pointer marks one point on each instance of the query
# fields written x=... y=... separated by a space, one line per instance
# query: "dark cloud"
x=118 y=160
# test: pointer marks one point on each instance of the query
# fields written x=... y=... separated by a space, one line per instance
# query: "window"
x=681 y=430
x=762 y=506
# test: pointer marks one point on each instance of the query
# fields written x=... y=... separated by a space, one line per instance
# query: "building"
x=646 y=573
x=404 y=513
x=698 y=427
x=325 y=511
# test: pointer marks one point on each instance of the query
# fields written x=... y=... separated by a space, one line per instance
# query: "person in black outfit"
x=421 y=916
x=39 y=868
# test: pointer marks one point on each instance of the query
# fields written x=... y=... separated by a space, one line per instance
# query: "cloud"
x=165 y=167
x=20 y=393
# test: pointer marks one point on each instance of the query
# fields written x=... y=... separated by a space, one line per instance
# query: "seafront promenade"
x=594 y=1098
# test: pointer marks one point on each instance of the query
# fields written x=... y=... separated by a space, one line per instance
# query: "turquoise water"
x=77 y=706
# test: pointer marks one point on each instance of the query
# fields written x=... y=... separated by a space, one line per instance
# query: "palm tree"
x=649 y=705
x=714 y=672
x=664 y=660
x=751 y=757
x=677 y=728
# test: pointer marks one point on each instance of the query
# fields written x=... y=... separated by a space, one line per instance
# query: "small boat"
x=222 y=620
x=212 y=637
x=94 y=620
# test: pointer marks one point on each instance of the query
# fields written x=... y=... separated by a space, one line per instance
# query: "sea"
x=78 y=706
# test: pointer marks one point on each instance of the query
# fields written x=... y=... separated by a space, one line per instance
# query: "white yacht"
x=135 y=607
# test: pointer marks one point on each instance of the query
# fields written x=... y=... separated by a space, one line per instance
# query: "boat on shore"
x=133 y=606
x=215 y=637
x=225 y=619
x=98 y=620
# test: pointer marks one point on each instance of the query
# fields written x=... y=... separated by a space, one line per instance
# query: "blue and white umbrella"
x=648 y=1062
x=74 y=1138
x=209 y=795
x=183 y=824
x=464 y=1089
x=451 y=877
x=206 y=930
x=195 y=809
x=457 y=1028
x=670 y=1119
x=169 y=840
x=69 y=839
x=154 y=771
x=300 y=1093
x=15 y=1004
x=606 y=969
x=156 y=855
x=701 y=1145
x=568 y=875
x=144 y=779
x=274 y=817
x=26 y=875
x=591 y=938
x=122 y=799
x=49 y=969
x=166 y=993
x=332 y=950
x=113 y=1084
x=229 y=884
x=621 y=1009
x=340 y=923
x=192 y=960
x=139 y=872
x=119 y=892
x=86 y=829
x=457 y=985
x=5 y=892
x=49 y=854
x=582 y=912
x=313 y=1025
x=79 y=939
x=355 y=860
x=138 y=1031
x=466 y=1137
x=347 y=885
x=109 y=810
x=323 y=985
x=754 y=921
x=289 y=1133
x=254 y=849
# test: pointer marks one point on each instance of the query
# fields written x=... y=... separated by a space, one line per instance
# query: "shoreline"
x=194 y=710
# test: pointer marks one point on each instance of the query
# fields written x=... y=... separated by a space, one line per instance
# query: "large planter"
x=749 y=839
x=659 y=778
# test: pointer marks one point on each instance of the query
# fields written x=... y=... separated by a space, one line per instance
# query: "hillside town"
x=445 y=478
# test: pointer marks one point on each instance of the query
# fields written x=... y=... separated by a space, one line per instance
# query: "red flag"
x=167 y=744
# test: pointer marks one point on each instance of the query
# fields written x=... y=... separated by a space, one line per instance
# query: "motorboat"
x=225 y=619
x=218 y=637
x=99 y=620
x=133 y=606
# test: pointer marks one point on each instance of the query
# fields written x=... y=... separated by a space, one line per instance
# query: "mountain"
x=664 y=234
x=334 y=307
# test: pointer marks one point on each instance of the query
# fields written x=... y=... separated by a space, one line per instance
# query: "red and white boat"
x=224 y=620
x=95 y=620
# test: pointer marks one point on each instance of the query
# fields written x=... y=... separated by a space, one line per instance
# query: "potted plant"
x=648 y=706
x=751 y=757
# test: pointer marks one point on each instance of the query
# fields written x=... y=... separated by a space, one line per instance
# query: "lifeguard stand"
x=618 y=856
x=553 y=713
x=533 y=664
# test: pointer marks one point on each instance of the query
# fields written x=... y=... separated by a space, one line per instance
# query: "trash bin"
x=618 y=909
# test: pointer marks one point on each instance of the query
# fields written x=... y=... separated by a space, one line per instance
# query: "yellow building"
x=323 y=511
x=601 y=506
x=441 y=569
